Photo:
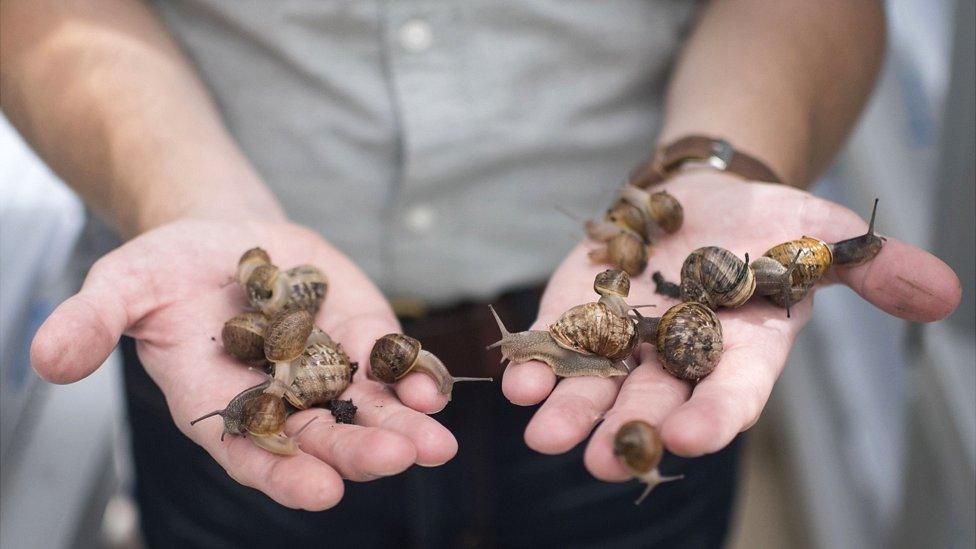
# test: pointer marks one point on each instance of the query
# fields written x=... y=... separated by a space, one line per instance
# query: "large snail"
x=638 y=446
x=270 y=290
x=628 y=226
x=395 y=355
x=599 y=338
x=260 y=416
x=786 y=272
x=321 y=373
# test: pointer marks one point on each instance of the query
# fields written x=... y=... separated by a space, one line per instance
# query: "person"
x=428 y=148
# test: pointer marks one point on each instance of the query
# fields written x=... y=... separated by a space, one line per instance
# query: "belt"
x=459 y=334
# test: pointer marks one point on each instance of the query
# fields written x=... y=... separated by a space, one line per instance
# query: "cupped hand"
x=168 y=289
x=720 y=210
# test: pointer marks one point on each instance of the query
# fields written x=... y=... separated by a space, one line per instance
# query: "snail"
x=284 y=342
x=599 y=338
x=321 y=373
x=261 y=416
x=395 y=355
x=628 y=226
x=688 y=339
x=243 y=336
x=638 y=446
x=785 y=273
x=270 y=290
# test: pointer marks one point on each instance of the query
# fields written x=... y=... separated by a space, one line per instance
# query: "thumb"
x=81 y=332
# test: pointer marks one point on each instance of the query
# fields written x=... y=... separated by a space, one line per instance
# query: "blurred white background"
x=869 y=439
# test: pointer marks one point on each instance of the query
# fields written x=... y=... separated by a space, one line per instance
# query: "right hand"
x=167 y=289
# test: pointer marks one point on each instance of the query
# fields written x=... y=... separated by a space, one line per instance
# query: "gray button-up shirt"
x=435 y=142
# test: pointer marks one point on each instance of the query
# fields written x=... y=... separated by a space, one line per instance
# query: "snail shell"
x=307 y=287
x=811 y=266
x=249 y=261
x=592 y=328
x=264 y=414
x=689 y=341
x=243 y=336
x=285 y=337
x=716 y=277
x=666 y=211
x=628 y=216
x=639 y=447
x=612 y=282
x=322 y=373
x=625 y=250
x=393 y=355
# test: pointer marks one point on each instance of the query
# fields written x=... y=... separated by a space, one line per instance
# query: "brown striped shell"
x=307 y=287
x=285 y=338
x=592 y=328
x=628 y=216
x=322 y=373
x=639 y=447
x=716 y=277
x=628 y=252
x=612 y=282
x=666 y=211
x=264 y=414
x=243 y=336
x=261 y=283
x=392 y=356
x=689 y=341
x=811 y=266
x=248 y=261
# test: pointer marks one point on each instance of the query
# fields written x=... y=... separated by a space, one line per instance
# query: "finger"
x=902 y=280
x=569 y=414
x=650 y=394
x=357 y=453
x=379 y=407
x=358 y=334
x=906 y=282
x=730 y=399
x=81 y=332
x=300 y=481
x=527 y=384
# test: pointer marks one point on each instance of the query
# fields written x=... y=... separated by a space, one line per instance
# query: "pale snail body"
x=628 y=226
x=638 y=446
x=322 y=373
x=395 y=355
x=260 y=416
x=785 y=273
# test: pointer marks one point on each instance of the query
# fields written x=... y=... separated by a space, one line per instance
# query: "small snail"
x=284 y=342
x=322 y=372
x=639 y=447
x=785 y=273
x=261 y=416
x=243 y=336
x=688 y=338
x=599 y=338
x=628 y=226
x=395 y=355
x=270 y=290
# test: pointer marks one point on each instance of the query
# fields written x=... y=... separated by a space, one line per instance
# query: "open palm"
x=167 y=289
x=743 y=217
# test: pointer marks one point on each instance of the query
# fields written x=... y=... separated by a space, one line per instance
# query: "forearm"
x=104 y=96
x=783 y=81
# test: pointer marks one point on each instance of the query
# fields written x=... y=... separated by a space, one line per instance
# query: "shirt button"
x=416 y=36
x=419 y=219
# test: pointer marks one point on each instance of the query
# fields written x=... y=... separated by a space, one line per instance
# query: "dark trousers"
x=495 y=492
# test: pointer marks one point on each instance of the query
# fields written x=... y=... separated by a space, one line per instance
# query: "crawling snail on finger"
x=600 y=338
x=785 y=273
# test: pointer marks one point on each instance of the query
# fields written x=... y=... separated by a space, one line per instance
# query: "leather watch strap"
x=710 y=151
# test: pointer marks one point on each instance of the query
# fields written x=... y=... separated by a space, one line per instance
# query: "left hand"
x=724 y=211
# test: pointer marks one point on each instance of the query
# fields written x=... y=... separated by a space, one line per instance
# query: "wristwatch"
x=700 y=150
